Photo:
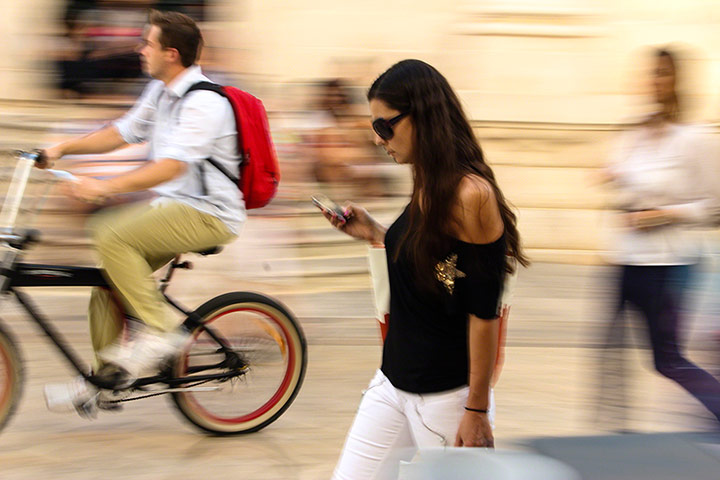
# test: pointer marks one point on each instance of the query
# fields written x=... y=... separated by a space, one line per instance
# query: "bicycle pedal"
x=115 y=376
x=109 y=396
x=88 y=409
x=114 y=406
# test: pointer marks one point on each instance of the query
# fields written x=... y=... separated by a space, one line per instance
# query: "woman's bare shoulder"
x=473 y=190
x=476 y=211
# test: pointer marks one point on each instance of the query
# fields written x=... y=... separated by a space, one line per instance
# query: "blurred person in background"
x=69 y=50
x=97 y=45
x=197 y=207
x=446 y=257
x=338 y=147
x=662 y=190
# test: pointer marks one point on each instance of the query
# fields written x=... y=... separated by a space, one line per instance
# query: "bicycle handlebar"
x=36 y=156
x=25 y=163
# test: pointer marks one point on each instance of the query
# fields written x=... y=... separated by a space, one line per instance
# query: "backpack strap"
x=214 y=87
x=203 y=185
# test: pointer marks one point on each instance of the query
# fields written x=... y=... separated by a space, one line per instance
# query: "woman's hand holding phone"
x=356 y=222
x=330 y=209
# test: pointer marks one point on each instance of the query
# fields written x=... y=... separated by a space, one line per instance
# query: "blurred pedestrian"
x=662 y=191
x=97 y=45
x=447 y=258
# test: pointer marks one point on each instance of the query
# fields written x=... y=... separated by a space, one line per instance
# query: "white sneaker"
x=77 y=395
x=145 y=351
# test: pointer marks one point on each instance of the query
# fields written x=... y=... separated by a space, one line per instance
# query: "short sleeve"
x=479 y=281
x=136 y=126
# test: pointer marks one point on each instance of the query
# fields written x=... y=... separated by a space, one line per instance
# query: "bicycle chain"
x=149 y=395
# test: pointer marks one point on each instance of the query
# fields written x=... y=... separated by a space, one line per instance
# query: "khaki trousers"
x=134 y=241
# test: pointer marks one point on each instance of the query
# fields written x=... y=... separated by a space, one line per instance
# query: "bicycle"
x=240 y=370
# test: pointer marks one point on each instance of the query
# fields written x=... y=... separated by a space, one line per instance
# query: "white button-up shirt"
x=190 y=129
x=673 y=171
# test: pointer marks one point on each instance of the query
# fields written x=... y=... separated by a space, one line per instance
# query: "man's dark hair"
x=180 y=32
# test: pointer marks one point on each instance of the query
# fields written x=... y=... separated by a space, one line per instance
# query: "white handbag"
x=381 y=286
x=505 y=304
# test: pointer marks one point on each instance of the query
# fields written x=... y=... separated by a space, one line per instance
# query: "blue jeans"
x=658 y=292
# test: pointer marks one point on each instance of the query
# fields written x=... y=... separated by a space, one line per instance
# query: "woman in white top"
x=657 y=171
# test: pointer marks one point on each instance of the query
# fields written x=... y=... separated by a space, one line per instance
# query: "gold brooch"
x=446 y=272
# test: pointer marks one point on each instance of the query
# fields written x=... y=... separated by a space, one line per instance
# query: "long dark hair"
x=444 y=151
x=671 y=108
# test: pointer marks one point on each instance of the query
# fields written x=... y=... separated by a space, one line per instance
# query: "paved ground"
x=548 y=385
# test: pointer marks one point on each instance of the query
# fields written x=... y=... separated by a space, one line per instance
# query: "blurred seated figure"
x=98 y=43
x=339 y=146
x=69 y=52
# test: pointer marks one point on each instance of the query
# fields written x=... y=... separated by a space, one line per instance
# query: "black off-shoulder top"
x=426 y=347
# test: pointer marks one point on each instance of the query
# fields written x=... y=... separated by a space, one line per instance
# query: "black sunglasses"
x=383 y=127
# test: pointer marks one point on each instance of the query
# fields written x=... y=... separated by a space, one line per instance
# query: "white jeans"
x=391 y=425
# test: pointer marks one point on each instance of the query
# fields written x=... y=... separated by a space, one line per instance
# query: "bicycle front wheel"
x=266 y=337
x=11 y=377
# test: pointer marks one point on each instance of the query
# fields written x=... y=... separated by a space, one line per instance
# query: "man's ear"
x=172 y=55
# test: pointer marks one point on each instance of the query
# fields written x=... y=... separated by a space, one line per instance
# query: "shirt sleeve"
x=479 y=289
x=700 y=204
x=136 y=125
x=197 y=127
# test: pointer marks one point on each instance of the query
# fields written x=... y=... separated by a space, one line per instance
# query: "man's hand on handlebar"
x=47 y=157
x=85 y=189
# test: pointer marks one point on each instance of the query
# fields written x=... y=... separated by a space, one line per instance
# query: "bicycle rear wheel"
x=11 y=377
x=269 y=341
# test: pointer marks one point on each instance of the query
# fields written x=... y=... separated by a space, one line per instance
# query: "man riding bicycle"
x=196 y=208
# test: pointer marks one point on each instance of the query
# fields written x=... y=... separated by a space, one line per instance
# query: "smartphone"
x=326 y=205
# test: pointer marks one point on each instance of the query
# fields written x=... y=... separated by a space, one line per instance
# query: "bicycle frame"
x=15 y=274
x=38 y=275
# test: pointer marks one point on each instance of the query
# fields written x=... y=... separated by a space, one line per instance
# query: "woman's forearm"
x=482 y=351
x=378 y=237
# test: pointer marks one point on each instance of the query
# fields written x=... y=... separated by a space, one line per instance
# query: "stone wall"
x=546 y=82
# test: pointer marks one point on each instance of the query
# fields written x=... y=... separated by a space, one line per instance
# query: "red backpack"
x=259 y=171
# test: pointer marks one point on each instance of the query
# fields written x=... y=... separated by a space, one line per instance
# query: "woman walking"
x=447 y=257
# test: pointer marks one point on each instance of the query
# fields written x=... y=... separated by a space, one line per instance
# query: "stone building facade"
x=547 y=83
